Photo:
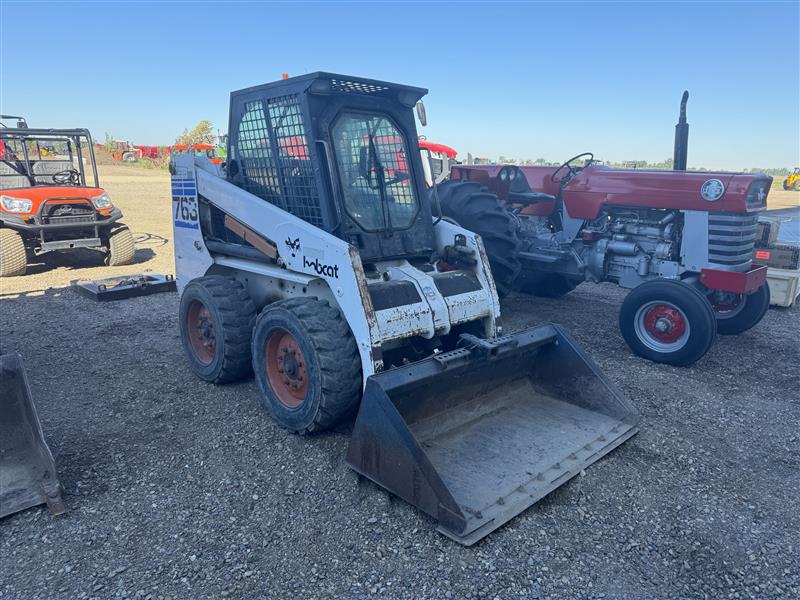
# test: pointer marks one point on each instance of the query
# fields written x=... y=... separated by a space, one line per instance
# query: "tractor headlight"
x=102 y=202
x=15 y=205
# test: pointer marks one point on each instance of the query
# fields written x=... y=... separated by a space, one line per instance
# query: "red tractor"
x=682 y=241
x=124 y=150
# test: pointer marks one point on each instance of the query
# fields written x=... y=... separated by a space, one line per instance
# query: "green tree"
x=202 y=133
x=108 y=144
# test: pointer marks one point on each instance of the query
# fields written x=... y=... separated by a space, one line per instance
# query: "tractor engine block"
x=629 y=246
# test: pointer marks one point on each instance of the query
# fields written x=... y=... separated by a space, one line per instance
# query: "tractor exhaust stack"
x=681 y=152
x=475 y=436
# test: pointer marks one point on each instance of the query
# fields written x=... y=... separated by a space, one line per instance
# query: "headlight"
x=15 y=205
x=102 y=202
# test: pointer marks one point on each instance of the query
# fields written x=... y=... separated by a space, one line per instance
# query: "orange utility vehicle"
x=46 y=203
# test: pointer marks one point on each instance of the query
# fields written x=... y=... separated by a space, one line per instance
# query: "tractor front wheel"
x=306 y=363
x=216 y=320
x=736 y=313
x=667 y=321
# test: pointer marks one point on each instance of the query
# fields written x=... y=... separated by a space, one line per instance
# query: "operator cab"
x=340 y=153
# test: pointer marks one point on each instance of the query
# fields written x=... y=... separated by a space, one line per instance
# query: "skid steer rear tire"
x=216 y=321
x=13 y=258
x=306 y=363
x=477 y=209
x=682 y=308
x=121 y=247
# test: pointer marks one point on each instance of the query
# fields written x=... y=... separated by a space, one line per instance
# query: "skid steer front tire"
x=477 y=209
x=668 y=321
x=13 y=258
x=216 y=321
x=306 y=363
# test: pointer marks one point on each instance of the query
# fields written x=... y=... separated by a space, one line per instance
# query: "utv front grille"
x=54 y=212
x=731 y=239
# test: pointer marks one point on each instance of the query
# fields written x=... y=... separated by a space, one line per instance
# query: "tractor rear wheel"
x=736 y=313
x=13 y=258
x=546 y=285
x=306 y=363
x=667 y=321
x=216 y=320
x=477 y=209
x=121 y=247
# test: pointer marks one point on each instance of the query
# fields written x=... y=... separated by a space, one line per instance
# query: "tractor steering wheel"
x=67 y=176
x=572 y=170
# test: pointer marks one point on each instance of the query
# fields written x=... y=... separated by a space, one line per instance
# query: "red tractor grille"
x=731 y=239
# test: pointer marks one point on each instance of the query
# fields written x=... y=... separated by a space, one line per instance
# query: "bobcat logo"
x=293 y=244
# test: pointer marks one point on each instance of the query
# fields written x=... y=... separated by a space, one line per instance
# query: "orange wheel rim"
x=202 y=335
x=286 y=368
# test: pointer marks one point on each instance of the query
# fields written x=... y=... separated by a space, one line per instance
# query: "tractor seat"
x=529 y=198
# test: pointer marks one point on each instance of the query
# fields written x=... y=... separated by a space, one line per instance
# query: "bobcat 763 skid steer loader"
x=316 y=261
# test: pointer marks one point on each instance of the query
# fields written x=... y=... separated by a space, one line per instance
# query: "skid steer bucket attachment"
x=27 y=470
x=475 y=436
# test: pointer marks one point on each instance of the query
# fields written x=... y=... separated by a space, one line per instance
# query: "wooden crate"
x=784 y=286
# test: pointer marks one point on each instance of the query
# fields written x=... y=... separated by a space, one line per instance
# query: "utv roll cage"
x=14 y=164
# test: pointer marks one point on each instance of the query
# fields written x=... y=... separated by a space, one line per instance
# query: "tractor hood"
x=597 y=186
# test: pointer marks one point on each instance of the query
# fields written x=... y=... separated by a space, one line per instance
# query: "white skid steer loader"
x=316 y=262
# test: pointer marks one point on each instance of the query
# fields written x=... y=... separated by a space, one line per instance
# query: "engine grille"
x=65 y=212
x=731 y=239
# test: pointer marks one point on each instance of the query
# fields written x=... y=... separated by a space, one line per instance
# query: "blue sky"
x=526 y=80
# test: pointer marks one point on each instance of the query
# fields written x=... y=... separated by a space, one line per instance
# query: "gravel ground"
x=180 y=489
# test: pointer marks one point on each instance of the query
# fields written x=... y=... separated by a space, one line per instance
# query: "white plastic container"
x=784 y=286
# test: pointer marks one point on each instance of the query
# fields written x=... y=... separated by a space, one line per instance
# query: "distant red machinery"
x=207 y=150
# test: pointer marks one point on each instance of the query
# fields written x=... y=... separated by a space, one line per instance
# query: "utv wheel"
x=216 y=320
x=306 y=363
x=546 y=285
x=477 y=209
x=736 y=313
x=13 y=259
x=121 y=247
x=668 y=322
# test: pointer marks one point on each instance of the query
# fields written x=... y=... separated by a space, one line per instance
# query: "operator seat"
x=12 y=175
x=520 y=192
x=43 y=170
